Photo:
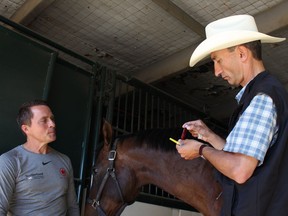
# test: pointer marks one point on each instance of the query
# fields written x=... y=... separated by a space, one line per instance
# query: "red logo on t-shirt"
x=62 y=171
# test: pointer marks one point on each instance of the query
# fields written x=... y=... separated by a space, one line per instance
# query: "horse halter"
x=95 y=203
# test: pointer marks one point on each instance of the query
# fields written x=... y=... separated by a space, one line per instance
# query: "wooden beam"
x=30 y=10
x=182 y=16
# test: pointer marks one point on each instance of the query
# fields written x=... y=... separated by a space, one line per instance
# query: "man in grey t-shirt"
x=34 y=178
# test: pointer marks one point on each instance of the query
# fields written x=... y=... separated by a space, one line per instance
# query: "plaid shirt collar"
x=240 y=94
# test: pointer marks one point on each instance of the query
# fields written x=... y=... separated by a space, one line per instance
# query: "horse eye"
x=95 y=170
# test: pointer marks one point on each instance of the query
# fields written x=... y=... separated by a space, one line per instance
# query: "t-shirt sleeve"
x=8 y=171
x=73 y=207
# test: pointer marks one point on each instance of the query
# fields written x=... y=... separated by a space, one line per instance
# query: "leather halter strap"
x=110 y=172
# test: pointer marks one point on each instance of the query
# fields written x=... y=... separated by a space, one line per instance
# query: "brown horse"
x=149 y=158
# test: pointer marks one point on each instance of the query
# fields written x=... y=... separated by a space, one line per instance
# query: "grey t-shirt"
x=36 y=184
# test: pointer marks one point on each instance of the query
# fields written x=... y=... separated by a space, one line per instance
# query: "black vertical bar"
x=164 y=113
x=98 y=117
x=50 y=70
x=139 y=110
x=110 y=110
x=125 y=108
x=145 y=112
x=175 y=113
x=158 y=112
x=169 y=115
x=132 y=111
x=152 y=111
x=119 y=105
x=85 y=139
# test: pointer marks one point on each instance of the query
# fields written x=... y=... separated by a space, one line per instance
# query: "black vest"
x=266 y=192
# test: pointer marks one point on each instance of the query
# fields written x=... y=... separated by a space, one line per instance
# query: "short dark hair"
x=25 y=114
x=255 y=47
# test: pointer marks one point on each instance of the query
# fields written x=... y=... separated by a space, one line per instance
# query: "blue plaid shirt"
x=256 y=128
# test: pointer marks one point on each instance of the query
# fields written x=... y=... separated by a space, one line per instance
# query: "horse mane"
x=155 y=138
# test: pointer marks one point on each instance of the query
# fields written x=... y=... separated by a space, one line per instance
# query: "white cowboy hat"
x=228 y=32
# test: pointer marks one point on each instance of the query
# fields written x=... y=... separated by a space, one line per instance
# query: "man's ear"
x=24 y=128
x=243 y=53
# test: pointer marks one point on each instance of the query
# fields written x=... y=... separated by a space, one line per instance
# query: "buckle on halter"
x=112 y=155
x=95 y=203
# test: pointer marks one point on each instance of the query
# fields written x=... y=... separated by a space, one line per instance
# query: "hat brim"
x=226 y=40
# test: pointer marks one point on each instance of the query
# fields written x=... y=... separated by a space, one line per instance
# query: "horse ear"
x=107 y=132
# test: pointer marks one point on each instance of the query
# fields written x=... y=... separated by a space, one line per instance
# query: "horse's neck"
x=165 y=169
x=156 y=167
x=188 y=180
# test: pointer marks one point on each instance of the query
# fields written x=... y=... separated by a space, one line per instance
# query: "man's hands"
x=200 y=130
x=188 y=149
x=236 y=166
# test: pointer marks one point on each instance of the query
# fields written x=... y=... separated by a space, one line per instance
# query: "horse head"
x=110 y=193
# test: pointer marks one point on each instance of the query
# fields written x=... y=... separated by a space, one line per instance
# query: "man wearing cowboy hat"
x=252 y=161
